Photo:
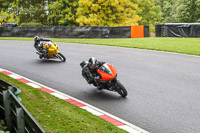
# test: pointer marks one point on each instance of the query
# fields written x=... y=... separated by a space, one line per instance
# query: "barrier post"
x=6 y=103
x=20 y=120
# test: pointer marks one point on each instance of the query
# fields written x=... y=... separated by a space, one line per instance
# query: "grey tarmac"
x=163 y=87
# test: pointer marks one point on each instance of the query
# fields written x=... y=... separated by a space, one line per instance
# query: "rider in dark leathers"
x=91 y=70
x=38 y=46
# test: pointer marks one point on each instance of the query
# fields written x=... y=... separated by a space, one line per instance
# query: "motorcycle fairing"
x=52 y=49
x=107 y=72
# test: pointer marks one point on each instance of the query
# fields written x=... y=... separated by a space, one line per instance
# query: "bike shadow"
x=49 y=61
x=101 y=95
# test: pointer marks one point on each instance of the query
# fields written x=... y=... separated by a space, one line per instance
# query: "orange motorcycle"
x=108 y=78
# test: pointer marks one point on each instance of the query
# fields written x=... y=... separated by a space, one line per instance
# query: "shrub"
x=2 y=125
x=31 y=24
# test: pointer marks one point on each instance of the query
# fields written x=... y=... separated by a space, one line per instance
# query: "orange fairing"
x=107 y=72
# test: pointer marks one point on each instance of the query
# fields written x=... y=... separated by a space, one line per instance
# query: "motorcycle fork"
x=112 y=84
x=46 y=53
x=99 y=85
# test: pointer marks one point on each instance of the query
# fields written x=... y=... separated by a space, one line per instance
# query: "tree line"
x=98 y=12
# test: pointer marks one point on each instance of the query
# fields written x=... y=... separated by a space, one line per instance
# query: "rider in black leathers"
x=38 y=46
x=91 y=70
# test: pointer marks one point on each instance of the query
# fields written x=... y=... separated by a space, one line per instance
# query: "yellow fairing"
x=52 y=49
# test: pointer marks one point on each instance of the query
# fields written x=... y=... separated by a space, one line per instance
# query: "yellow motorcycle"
x=50 y=51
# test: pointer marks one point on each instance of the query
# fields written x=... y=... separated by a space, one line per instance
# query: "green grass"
x=178 y=45
x=58 y=116
x=2 y=125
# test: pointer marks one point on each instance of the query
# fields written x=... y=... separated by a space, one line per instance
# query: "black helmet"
x=36 y=38
x=92 y=62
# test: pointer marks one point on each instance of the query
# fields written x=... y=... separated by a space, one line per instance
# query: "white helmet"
x=92 y=62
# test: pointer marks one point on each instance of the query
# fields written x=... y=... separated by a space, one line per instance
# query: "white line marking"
x=33 y=85
x=134 y=128
x=15 y=76
x=127 y=128
x=94 y=112
x=59 y=96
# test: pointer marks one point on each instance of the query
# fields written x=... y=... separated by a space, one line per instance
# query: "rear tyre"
x=121 y=89
x=61 y=57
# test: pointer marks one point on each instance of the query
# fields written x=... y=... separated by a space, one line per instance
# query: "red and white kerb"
x=95 y=111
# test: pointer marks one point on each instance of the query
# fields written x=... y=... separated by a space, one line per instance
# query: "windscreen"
x=105 y=68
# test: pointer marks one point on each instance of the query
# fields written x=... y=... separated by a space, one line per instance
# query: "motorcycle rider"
x=38 y=46
x=91 y=67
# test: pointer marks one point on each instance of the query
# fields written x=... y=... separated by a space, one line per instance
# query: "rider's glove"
x=97 y=78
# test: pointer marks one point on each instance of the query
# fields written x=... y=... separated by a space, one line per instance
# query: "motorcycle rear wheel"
x=61 y=57
x=121 y=89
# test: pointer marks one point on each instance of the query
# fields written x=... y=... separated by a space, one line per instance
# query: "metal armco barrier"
x=17 y=117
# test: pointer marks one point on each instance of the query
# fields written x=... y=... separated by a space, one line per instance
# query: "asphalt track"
x=163 y=88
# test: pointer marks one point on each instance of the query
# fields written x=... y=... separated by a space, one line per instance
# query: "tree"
x=6 y=13
x=6 y=17
x=150 y=13
x=107 y=13
x=63 y=12
x=3 y=17
x=169 y=10
x=177 y=11
x=5 y=4
x=13 y=18
x=31 y=10
x=188 y=11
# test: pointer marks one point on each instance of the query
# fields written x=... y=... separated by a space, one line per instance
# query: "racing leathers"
x=38 y=45
x=91 y=74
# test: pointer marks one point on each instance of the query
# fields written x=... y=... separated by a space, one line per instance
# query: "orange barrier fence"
x=139 y=31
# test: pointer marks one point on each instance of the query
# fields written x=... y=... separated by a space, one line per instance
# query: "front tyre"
x=61 y=57
x=121 y=89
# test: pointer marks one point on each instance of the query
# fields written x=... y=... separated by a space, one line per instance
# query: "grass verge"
x=178 y=45
x=58 y=116
x=2 y=125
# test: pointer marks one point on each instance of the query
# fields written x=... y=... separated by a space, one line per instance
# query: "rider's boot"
x=41 y=55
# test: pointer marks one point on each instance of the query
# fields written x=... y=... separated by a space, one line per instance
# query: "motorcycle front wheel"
x=121 y=89
x=61 y=57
